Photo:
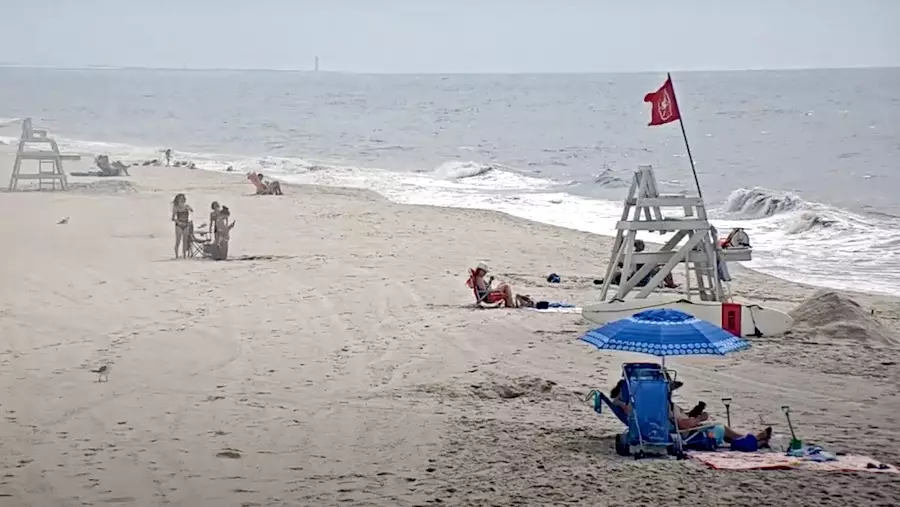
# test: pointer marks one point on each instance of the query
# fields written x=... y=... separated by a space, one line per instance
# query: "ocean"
x=808 y=161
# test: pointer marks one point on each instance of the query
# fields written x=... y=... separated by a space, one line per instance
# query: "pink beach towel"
x=778 y=461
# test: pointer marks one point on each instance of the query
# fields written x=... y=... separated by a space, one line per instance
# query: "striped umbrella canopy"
x=664 y=332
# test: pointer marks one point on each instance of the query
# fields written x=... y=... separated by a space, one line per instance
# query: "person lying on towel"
x=487 y=294
x=723 y=434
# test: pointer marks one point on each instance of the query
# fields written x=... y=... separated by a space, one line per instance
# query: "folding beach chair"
x=198 y=239
x=481 y=302
x=651 y=424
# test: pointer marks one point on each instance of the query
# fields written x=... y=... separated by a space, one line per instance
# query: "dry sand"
x=350 y=369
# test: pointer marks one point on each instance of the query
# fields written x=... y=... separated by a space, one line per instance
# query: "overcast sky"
x=453 y=35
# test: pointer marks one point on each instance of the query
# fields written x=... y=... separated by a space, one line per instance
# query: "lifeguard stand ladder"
x=643 y=212
x=49 y=168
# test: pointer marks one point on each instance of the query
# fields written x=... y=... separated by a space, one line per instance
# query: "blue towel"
x=812 y=453
x=543 y=305
x=747 y=443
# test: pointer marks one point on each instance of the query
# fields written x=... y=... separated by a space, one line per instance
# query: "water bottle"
x=778 y=444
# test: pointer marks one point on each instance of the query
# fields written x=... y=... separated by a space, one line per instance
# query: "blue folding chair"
x=651 y=426
x=650 y=423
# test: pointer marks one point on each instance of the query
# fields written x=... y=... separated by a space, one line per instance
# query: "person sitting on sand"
x=485 y=293
x=213 y=216
x=181 y=215
x=639 y=246
x=722 y=433
x=668 y=281
x=273 y=186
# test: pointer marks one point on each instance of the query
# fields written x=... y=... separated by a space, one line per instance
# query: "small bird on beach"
x=64 y=221
x=102 y=372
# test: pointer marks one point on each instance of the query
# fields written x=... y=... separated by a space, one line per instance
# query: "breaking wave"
x=609 y=180
x=760 y=202
x=459 y=170
x=806 y=221
x=794 y=239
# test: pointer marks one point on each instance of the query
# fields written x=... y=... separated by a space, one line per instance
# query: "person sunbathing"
x=273 y=187
x=722 y=433
x=485 y=293
x=617 y=394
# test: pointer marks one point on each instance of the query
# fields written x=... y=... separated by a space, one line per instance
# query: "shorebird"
x=102 y=372
x=64 y=221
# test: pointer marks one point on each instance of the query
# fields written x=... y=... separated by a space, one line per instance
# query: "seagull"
x=102 y=372
x=64 y=221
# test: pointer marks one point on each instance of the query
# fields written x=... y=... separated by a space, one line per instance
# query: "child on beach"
x=181 y=215
x=213 y=216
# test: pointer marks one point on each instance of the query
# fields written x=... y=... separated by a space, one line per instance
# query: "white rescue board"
x=754 y=320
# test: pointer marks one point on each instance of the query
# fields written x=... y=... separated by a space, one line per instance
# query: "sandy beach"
x=348 y=366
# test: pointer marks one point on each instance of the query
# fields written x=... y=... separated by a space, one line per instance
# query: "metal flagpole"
x=684 y=135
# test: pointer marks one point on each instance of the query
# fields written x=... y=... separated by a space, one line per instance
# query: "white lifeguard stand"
x=700 y=252
x=49 y=168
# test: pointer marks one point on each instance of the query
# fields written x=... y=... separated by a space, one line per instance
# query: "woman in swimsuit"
x=213 y=216
x=486 y=293
x=181 y=215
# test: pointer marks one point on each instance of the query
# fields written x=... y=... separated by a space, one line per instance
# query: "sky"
x=453 y=36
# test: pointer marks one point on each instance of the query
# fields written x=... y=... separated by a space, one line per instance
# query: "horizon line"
x=5 y=65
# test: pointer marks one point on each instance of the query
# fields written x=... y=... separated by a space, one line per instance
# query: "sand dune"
x=350 y=369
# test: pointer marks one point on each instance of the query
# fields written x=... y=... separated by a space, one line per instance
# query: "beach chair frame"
x=197 y=240
x=639 y=445
x=631 y=442
x=480 y=302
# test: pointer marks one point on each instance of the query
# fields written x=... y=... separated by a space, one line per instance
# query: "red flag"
x=664 y=106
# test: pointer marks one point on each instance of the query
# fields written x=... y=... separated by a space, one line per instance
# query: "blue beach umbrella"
x=664 y=332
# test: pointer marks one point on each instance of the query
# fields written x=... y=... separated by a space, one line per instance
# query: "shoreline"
x=545 y=207
x=346 y=365
x=808 y=288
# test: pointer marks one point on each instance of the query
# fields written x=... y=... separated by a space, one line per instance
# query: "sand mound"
x=513 y=388
x=836 y=316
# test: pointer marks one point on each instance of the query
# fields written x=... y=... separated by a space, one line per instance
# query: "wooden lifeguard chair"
x=49 y=168
x=693 y=243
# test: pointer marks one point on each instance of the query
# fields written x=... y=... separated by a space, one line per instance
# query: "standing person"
x=213 y=216
x=181 y=215
x=168 y=157
x=223 y=231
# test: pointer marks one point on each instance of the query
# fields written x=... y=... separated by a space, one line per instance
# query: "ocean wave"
x=455 y=170
x=609 y=180
x=760 y=202
x=794 y=239
x=806 y=221
x=8 y=121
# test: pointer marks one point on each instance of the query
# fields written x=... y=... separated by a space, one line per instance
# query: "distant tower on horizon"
x=317 y=63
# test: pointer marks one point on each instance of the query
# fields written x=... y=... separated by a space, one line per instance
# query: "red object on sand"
x=664 y=106
x=731 y=318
